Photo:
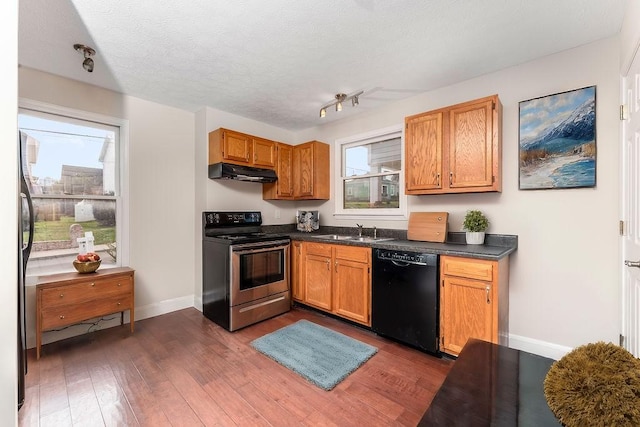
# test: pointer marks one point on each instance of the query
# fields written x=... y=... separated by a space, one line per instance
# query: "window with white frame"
x=369 y=175
x=72 y=168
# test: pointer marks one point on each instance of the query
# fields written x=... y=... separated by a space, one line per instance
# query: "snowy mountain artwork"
x=558 y=140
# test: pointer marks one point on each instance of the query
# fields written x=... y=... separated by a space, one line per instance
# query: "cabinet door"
x=352 y=287
x=297 y=288
x=423 y=152
x=466 y=311
x=317 y=275
x=264 y=153
x=236 y=146
x=303 y=160
x=284 y=170
x=471 y=148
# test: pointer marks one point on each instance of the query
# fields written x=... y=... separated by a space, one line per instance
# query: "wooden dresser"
x=69 y=298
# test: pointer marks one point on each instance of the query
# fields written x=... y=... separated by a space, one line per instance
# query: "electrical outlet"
x=277 y=214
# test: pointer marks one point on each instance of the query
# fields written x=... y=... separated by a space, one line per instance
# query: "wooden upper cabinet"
x=456 y=149
x=282 y=189
x=424 y=152
x=229 y=146
x=472 y=156
x=311 y=171
x=264 y=153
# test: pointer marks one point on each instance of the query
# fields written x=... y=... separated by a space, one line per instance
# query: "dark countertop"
x=497 y=246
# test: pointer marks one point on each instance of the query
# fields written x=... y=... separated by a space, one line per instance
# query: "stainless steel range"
x=245 y=272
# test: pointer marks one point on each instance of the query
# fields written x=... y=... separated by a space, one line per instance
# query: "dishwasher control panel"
x=408 y=257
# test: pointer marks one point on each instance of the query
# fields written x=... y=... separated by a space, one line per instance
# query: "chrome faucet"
x=359 y=230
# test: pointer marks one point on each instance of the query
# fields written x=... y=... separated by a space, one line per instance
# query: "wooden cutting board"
x=428 y=226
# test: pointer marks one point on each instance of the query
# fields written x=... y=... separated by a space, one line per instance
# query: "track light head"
x=87 y=64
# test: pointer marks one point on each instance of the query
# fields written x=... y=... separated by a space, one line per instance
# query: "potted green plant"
x=475 y=224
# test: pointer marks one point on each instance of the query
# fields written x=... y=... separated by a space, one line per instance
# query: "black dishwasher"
x=405 y=298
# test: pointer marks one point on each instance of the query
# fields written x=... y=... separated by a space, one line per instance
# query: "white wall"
x=8 y=201
x=161 y=186
x=564 y=281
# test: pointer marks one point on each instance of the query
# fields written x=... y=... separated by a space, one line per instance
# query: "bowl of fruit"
x=87 y=263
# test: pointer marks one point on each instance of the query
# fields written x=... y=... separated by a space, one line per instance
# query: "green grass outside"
x=59 y=230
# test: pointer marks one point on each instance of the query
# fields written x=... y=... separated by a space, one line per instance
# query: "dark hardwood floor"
x=182 y=369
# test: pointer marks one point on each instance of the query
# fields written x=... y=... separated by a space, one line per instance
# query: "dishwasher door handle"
x=405 y=263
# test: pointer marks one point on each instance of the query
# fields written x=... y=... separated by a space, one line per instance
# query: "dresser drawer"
x=86 y=291
x=469 y=268
x=66 y=315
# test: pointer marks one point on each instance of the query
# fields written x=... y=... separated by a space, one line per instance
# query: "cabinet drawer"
x=320 y=249
x=352 y=253
x=63 y=315
x=86 y=291
x=469 y=268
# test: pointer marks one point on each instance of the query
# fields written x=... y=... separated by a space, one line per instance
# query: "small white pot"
x=475 y=237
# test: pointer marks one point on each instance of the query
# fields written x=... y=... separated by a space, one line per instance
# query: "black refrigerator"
x=25 y=241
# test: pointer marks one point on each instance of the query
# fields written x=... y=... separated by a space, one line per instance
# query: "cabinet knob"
x=119 y=284
x=61 y=295
x=119 y=303
x=93 y=283
x=61 y=316
x=488 y=289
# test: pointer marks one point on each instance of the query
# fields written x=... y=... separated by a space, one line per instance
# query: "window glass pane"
x=373 y=158
x=379 y=192
x=70 y=166
x=65 y=158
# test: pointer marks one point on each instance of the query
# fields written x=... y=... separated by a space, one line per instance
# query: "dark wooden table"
x=492 y=385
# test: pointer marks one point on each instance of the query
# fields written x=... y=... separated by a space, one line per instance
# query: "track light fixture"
x=88 y=52
x=339 y=99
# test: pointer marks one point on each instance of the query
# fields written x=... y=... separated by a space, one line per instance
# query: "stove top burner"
x=241 y=236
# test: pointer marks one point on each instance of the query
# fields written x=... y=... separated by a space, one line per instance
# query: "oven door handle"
x=248 y=248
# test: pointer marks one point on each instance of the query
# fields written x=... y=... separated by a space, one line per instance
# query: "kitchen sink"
x=334 y=237
x=370 y=239
x=366 y=239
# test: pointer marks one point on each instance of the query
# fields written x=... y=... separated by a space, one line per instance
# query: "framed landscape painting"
x=557 y=138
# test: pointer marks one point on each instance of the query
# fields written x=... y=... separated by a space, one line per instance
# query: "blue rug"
x=322 y=356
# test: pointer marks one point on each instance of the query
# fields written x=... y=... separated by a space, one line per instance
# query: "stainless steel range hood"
x=241 y=173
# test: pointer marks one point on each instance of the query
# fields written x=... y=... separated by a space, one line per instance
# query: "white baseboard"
x=541 y=348
x=164 y=307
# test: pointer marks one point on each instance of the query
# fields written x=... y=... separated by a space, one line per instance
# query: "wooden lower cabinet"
x=69 y=298
x=297 y=290
x=474 y=302
x=336 y=279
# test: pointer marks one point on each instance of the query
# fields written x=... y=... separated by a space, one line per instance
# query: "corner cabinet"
x=456 y=149
x=334 y=278
x=238 y=148
x=282 y=189
x=303 y=173
x=474 y=302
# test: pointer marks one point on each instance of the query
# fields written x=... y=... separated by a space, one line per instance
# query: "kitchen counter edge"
x=490 y=251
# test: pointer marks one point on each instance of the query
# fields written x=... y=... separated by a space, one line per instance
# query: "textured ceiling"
x=278 y=61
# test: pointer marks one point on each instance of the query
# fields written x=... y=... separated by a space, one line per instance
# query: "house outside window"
x=370 y=176
x=72 y=168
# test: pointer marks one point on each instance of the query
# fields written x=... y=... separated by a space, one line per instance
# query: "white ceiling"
x=278 y=61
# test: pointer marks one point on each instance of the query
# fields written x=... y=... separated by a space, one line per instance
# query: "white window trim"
x=122 y=215
x=399 y=214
